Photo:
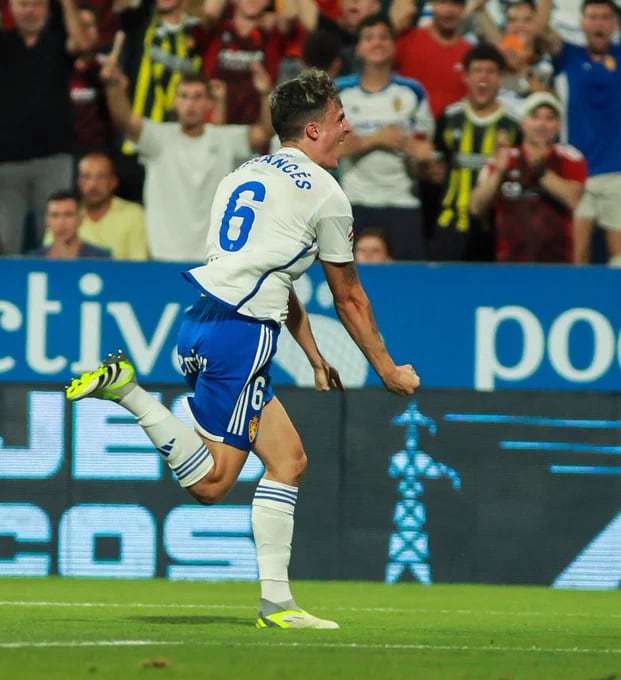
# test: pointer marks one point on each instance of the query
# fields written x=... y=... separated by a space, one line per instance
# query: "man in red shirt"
x=433 y=54
x=533 y=188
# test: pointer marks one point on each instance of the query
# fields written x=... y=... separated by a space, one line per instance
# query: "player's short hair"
x=610 y=3
x=64 y=195
x=300 y=100
x=484 y=52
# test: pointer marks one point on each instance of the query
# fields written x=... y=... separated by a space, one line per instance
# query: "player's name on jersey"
x=282 y=162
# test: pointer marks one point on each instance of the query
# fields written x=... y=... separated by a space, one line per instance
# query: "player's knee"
x=291 y=469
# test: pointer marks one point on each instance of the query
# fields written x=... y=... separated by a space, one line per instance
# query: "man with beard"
x=534 y=188
x=593 y=76
x=108 y=220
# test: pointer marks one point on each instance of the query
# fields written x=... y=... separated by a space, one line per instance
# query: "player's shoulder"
x=568 y=152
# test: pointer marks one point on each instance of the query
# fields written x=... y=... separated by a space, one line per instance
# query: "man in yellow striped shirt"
x=466 y=136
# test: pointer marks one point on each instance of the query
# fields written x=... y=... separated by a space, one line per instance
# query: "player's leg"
x=280 y=449
x=181 y=447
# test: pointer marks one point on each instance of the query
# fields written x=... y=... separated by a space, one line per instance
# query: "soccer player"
x=270 y=220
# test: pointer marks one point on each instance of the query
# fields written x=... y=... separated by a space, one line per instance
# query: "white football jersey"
x=381 y=178
x=270 y=219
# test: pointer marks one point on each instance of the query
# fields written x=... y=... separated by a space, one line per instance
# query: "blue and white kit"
x=270 y=219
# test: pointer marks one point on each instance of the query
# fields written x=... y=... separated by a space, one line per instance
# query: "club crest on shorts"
x=253 y=428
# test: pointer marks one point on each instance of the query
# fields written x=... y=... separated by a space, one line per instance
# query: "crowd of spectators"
x=483 y=130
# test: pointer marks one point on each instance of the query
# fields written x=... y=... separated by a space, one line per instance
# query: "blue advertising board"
x=480 y=327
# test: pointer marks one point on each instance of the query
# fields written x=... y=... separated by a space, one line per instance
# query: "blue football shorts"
x=226 y=359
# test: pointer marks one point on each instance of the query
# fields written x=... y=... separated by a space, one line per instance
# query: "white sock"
x=180 y=446
x=272 y=524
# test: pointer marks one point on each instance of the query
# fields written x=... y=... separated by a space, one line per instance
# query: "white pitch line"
x=88 y=643
x=317 y=645
x=387 y=610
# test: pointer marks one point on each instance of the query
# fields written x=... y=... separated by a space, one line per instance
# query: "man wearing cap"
x=534 y=188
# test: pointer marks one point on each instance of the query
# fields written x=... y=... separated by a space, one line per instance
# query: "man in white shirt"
x=184 y=161
x=271 y=219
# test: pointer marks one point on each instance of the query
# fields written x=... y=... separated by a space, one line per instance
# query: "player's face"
x=30 y=15
x=542 y=126
x=331 y=131
x=376 y=45
x=192 y=104
x=371 y=250
x=447 y=15
x=599 y=23
x=96 y=180
x=63 y=219
x=483 y=80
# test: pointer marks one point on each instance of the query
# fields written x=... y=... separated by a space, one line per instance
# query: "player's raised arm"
x=354 y=309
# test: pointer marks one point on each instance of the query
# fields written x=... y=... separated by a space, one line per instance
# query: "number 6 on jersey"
x=242 y=212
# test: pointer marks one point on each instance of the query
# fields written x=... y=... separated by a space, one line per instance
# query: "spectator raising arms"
x=92 y=128
x=163 y=42
x=184 y=161
x=529 y=67
x=593 y=77
x=235 y=43
x=433 y=54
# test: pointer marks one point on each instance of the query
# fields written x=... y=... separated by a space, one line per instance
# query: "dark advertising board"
x=455 y=486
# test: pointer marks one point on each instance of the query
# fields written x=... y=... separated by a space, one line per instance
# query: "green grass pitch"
x=68 y=629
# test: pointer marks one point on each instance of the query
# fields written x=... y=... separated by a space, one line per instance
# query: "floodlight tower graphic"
x=408 y=548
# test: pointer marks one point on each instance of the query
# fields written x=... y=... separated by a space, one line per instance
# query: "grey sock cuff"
x=266 y=607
